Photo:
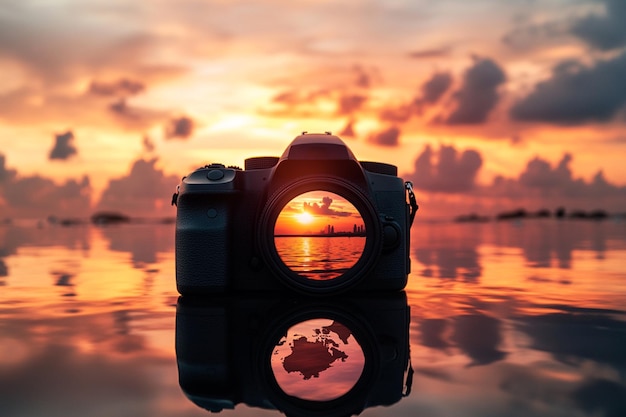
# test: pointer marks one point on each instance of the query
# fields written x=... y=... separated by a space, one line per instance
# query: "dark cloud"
x=6 y=174
x=387 y=137
x=607 y=31
x=576 y=93
x=363 y=78
x=135 y=117
x=121 y=108
x=541 y=185
x=301 y=102
x=350 y=103
x=539 y=173
x=145 y=192
x=63 y=146
x=120 y=88
x=452 y=173
x=148 y=144
x=348 y=130
x=435 y=87
x=536 y=35
x=323 y=208
x=430 y=53
x=299 y=97
x=4 y=269
x=540 y=176
x=479 y=93
x=398 y=114
x=431 y=91
x=37 y=197
x=179 y=128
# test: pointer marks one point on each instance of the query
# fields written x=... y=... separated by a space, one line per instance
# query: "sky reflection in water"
x=508 y=319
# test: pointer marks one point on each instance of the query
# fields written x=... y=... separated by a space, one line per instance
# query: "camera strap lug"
x=175 y=196
x=412 y=201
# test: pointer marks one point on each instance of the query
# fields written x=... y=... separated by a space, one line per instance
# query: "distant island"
x=104 y=218
x=518 y=214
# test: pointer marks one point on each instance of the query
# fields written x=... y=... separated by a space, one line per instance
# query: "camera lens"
x=320 y=235
x=317 y=360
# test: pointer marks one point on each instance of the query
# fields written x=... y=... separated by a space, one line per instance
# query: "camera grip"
x=202 y=249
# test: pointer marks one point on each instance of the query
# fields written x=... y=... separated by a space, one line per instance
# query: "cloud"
x=121 y=88
x=430 y=53
x=431 y=91
x=121 y=108
x=479 y=93
x=323 y=208
x=452 y=173
x=606 y=31
x=540 y=185
x=559 y=181
x=148 y=144
x=6 y=175
x=179 y=128
x=145 y=191
x=363 y=77
x=536 y=35
x=435 y=87
x=348 y=130
x=37 y=196
x=43 y=87
x=398 y=114
x=387 y=137
x=539 y=174
x=576 y=93
x=63 y=146
x=350 y=103
x=301 y=102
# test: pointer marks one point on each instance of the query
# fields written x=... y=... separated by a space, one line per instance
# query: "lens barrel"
x=348 y=191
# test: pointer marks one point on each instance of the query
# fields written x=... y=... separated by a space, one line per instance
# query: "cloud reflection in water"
x=506 y=319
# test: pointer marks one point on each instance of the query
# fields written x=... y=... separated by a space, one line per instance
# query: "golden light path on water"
x=528 y=313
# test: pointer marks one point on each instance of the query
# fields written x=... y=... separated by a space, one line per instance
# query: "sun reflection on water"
x=501 y=313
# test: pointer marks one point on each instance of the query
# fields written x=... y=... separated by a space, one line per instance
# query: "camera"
x=303 y=356
x=315 y=220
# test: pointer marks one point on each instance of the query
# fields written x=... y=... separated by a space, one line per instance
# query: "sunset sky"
x=313 y=212
x=485 y=105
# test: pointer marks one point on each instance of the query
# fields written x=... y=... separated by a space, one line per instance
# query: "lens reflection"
x=319 y=235
x=318 y=360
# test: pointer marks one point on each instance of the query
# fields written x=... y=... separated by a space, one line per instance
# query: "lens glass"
x=319 y=235
x=318 y=360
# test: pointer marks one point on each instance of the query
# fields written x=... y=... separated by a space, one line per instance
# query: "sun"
x=304 y=217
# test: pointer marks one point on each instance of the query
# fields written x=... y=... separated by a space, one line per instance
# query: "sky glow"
x=106 y=105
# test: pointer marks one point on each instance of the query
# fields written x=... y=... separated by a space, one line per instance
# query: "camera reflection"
x=301 y=356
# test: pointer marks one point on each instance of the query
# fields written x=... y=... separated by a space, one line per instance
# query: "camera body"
x=226 y=222
x=227 y=346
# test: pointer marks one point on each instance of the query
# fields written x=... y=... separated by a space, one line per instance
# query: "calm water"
x=320 y=258
x=506 y=319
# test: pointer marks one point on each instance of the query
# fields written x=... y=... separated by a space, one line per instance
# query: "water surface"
x=515 y=319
